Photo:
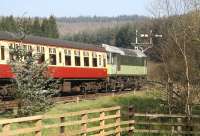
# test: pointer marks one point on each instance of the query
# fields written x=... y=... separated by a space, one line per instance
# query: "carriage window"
x=10 y=54
x=25 y=47
x=86 y=58
x=86 y=61
x=94 y=59
x=67 y=57
x=2 y=53
x=29 y=48
x=38 y=49
x=42 y=49
x=41 y=59
x=60 y=57
x=52 y=59
x=99 y=60
x=77 y=58
x=104 y=62
x=52 y=56
x=42 y=54
x=67 y=60
x=16 y=46
x=77 y=61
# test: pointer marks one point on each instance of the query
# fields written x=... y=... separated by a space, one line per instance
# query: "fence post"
x=102 y=123
x=39 y=127
x=113 y=94
x=62 y=128
x=179 y=128
x=117 y=129
x=6 y=129
x=77 y=99
x=84 y=124
x=131 y=117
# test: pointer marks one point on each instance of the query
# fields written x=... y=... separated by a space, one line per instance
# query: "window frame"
x=52 y=53
x=77 y=56
x=67 y=53
x=86 y=58
x=41 y=51
x=94 y=59
x=2 y=53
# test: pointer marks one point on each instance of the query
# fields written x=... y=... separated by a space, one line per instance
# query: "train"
x=80 y=67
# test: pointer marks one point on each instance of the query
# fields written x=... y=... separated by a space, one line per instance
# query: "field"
x=148 y=106
x=143 y=101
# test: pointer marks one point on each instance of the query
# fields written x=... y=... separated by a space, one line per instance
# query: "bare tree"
x=180 y=26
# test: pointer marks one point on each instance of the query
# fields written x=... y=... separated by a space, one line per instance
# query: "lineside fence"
x=98 y=122
x=102 y=122
x=163 y=124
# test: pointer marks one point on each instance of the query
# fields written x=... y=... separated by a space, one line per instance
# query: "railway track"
x=9 y=105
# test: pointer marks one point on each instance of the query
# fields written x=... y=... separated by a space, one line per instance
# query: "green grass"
x=142 y=101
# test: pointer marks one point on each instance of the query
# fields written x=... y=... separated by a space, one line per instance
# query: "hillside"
x=73 y=25
x=68 y=25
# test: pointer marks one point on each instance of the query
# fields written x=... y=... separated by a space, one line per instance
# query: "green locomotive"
x=127 y=68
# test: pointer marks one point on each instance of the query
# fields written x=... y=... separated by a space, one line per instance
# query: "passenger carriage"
x=80 y=67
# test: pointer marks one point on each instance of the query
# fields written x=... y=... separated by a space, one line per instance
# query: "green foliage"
x=49 y=28
x=34 y=88
x=124 y=36
x=53 y=30
x=99 y=37
x=27 y=25
x=82 y=19
x=121 y=36
x=36 y=28
x=46 y=27
x=143 y=101
x=8 y=24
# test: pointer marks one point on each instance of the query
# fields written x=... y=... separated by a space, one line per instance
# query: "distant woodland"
x=74 y=25
x=46 y=27
x=100 y=19
x=116 y=31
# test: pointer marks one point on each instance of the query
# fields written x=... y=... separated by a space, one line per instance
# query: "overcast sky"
x=73 y=8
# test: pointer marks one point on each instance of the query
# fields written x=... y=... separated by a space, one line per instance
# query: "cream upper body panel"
x=58 y=54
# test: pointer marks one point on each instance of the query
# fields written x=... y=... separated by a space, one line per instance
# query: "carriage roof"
x=124 y=51
x=30 y=39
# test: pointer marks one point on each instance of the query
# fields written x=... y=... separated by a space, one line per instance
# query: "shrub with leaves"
x=34 y=87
